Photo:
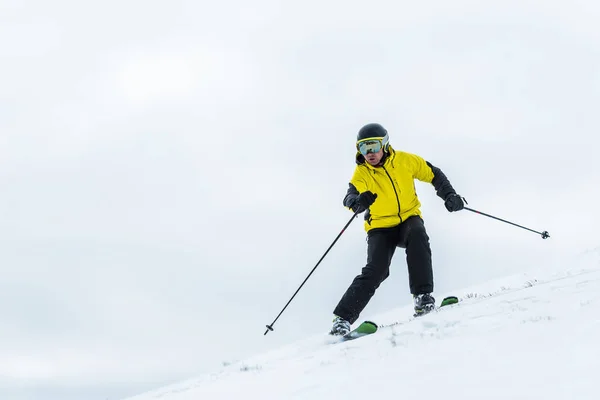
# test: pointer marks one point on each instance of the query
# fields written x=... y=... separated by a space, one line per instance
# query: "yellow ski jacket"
x=393 y=182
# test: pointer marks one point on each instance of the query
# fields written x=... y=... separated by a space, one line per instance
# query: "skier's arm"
x=426 y=172
x=356 y=186
x=440 y=182
x=351 y=196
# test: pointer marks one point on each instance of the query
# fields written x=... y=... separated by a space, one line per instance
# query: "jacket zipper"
x=395 y=192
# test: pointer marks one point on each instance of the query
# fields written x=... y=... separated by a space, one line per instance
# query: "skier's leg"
x=380 y=249
x=413 y=237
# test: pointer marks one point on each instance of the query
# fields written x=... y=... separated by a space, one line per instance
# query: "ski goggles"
x=370 y=145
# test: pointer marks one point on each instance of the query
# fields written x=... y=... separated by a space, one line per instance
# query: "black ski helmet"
x=374 y=130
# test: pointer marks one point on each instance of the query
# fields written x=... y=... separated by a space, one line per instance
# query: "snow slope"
x=522 y=337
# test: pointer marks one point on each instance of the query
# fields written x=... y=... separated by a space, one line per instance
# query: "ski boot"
x=340 y=326
x=424 y=303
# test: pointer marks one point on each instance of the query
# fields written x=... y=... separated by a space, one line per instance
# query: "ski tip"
x=371 y=323
x=367 y=327
x=449 y=300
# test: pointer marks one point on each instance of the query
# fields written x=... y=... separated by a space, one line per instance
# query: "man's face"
x=372 y=150
x=374 y=158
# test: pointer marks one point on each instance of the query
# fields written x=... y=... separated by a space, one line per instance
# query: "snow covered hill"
x=522 y=337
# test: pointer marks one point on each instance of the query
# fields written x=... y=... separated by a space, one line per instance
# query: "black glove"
x=363 y=201
x=454 y=202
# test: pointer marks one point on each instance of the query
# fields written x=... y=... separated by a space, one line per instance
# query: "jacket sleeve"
x=356 y=186
x=440 y=182
x=351 y=196
x=426 y=172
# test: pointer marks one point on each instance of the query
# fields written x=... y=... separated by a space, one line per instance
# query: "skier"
x=383 y=186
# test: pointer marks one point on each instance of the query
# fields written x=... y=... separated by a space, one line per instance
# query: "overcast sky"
x=170 y=172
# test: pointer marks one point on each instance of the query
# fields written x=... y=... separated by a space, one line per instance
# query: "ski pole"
x=544 y=234
x=270 y=327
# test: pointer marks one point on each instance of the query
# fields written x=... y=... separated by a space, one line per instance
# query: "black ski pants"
x=381 y=244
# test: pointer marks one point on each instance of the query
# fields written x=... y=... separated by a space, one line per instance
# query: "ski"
x=449 y=300
x=364 y=329
x=368 y=327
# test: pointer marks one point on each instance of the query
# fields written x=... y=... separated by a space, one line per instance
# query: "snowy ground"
x=523 y=337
